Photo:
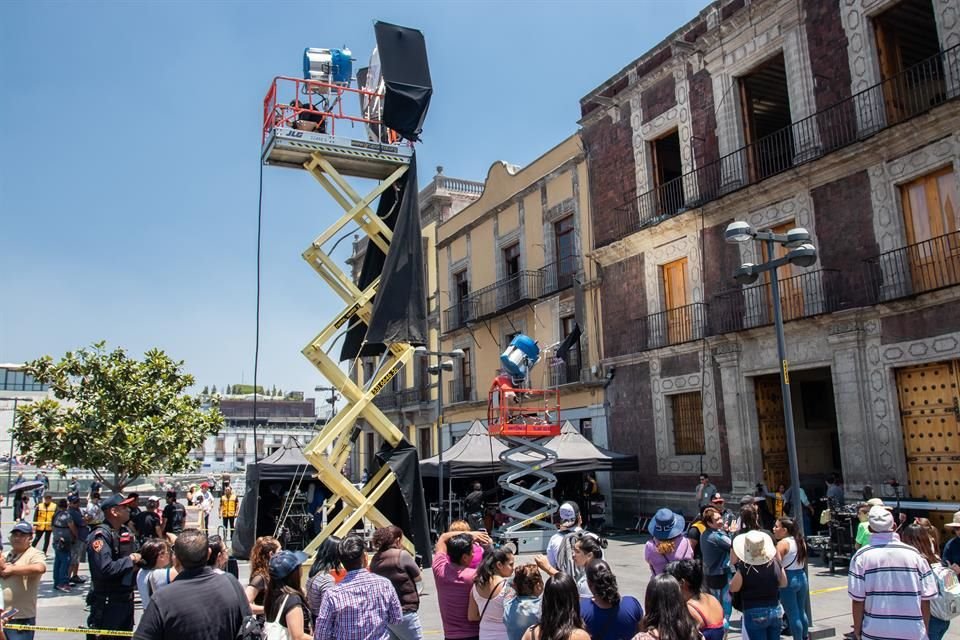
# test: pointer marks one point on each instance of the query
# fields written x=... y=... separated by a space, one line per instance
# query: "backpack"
x=251 y=628
x=62 y=536
x=565 y=561
x=276 y=630
x=946 y=605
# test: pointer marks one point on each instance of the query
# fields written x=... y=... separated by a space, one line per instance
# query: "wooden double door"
x=773 y=431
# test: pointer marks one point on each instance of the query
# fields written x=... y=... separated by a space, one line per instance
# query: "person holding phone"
x=20 y=572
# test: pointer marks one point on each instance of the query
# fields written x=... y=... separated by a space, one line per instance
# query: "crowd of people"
x=900 y=583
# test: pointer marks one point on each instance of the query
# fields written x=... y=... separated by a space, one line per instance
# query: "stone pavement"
x=831 y=606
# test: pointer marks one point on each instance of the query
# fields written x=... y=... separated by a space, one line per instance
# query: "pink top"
x=658 y=561
x=477 y=556
x=453 y=595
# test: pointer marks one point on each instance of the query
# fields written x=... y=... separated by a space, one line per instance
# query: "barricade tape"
x=96 y=632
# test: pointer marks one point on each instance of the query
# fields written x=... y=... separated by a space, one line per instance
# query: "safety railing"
x=916 y=268
x=458 y=315
x=565 y=373
x=458 y=392
x=309 y=105
x=559 y=275
x=914 y=91
x=673 y=326
x=805 y=295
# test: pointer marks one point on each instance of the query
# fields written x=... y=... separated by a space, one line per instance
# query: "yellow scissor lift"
x=331 y=159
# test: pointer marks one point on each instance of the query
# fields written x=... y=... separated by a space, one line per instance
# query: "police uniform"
x=112 y=575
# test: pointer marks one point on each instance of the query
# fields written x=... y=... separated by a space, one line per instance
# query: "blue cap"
x=283 y=563
x=23 y=527
x=116 y=500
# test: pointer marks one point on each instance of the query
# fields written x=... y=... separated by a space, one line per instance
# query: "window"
x=565 y=249
x=461 y=293
x=511 y=271
x=667 y=167
x=586 y=428
x=676 y=321
x=425 y=445
x=219 y=451
x=687 y=414
x=367 y=371
x=765 y=106
x=511 y=260
x=572 y=367
x=906 y=37
x=466 y=379
x=930 y=214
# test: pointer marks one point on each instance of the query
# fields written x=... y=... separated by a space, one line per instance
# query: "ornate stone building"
x=838 y=116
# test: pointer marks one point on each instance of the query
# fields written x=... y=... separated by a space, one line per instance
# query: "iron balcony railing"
x=673 y=326
x=809 y=294
x=387 y=401
x=565 y=373
x=910 y=93
x=458 y=392
x=502 y=296
x=913 y=269
x=559 y=275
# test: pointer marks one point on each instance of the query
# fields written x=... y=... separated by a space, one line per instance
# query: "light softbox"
x=406 y=74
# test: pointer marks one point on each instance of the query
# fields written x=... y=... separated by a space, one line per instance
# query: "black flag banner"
x=563 y=350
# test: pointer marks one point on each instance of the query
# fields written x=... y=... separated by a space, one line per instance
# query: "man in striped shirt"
x=890 y=584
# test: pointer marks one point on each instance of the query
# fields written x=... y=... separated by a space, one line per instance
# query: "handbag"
x=275 y=630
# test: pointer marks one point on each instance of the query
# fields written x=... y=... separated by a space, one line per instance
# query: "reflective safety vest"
x=228 y=506
x=44 y=516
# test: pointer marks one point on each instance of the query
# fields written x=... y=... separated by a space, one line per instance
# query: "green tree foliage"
x=206 y=391
x=214 y=390
x=118 y=417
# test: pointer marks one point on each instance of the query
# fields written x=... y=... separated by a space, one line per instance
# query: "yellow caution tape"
x=97 y=632
x=827 y=590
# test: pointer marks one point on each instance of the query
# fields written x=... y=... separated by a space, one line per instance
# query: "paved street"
x=830 y=603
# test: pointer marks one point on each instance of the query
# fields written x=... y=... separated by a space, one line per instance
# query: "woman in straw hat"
x=759 y=577
x=667 y=543
x=951 y=550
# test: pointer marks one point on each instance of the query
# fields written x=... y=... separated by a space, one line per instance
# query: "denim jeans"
x=762 y=623
x=794 y=598
x=61 y=567
x=726 y=600
x=407 y=629
x=14 y=634
x=937 y=628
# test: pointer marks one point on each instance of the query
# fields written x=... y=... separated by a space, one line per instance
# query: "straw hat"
x=956 y=522
x=754 y=547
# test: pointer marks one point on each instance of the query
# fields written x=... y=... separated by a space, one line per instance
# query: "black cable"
x=256 y=341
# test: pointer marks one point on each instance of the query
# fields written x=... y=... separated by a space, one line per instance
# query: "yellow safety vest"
x=228 y=506
x=44 y=521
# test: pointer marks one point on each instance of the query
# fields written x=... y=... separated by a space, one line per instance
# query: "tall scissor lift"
x=307 y=125
x=526 y=419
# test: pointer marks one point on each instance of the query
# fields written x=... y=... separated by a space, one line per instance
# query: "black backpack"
x=62 y=536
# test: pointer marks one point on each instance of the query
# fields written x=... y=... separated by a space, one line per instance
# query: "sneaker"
x=77 y=580
x=65 y=588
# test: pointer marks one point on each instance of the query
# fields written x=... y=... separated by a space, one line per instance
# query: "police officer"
x=113 y=564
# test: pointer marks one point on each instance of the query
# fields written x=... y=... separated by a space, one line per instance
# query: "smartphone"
x=9 y=613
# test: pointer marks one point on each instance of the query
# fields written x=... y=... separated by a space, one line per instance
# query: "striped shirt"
x=891 y=579
x=358 y=608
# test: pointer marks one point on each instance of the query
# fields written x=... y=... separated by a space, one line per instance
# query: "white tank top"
x=790 y=558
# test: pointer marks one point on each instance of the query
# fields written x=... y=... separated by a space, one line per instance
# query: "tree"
x=206 y=391
x=214 y=390
x=118 y=417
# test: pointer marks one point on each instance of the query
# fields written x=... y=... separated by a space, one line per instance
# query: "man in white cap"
x=951 y=550
x=560 y=546
x=890 y=585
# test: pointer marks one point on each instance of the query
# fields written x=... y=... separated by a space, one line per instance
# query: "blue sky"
x=130 y=138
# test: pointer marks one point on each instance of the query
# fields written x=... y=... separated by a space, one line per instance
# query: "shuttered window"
x=687 y=414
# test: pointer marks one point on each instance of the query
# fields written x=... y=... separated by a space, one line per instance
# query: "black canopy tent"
x=281 y=469
x=477 y=453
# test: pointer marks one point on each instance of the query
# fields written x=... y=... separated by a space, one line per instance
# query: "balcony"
x=897 y=99
x=387 y=401
x=564 y=373
x=503 y=296
x=916 y=268
x=809 y=294
x=457 y=392
x=674 y=326
x=559 y=275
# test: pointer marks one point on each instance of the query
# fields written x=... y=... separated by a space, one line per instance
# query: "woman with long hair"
x=323 y=573
x=667 y=542
x=263 y=549
x=156 y=568
x=918 y=537
x=284 y=600
x=486 y=595
x=559 y=617
x=666 y=618
x=792 y=549
x=707 y=612
x=586 y=548
x=393 y=562
x=609 y=616
x=523 y=600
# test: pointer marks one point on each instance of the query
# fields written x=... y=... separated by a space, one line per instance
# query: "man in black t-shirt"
x=148 y=522
x=473 y=505
x=174 y=515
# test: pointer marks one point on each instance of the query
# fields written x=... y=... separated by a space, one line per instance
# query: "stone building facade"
x=838 y=116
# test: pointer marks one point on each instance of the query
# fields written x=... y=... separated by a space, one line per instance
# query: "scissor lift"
x=526 y=419
x=330 y=145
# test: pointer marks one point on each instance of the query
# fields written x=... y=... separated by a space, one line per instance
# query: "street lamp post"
x=800 y=253
x=437 y=370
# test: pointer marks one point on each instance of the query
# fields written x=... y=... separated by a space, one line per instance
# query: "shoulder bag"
x=275 y=630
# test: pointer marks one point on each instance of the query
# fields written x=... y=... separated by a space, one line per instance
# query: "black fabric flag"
x=406 y=75
x=563 y=351
x=403 y=503
x=400 y=307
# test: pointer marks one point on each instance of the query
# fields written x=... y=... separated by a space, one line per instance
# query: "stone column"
x=732 y=165
x=796 y=58
x=743 y=442
x=857 y=454
x=947 y=14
